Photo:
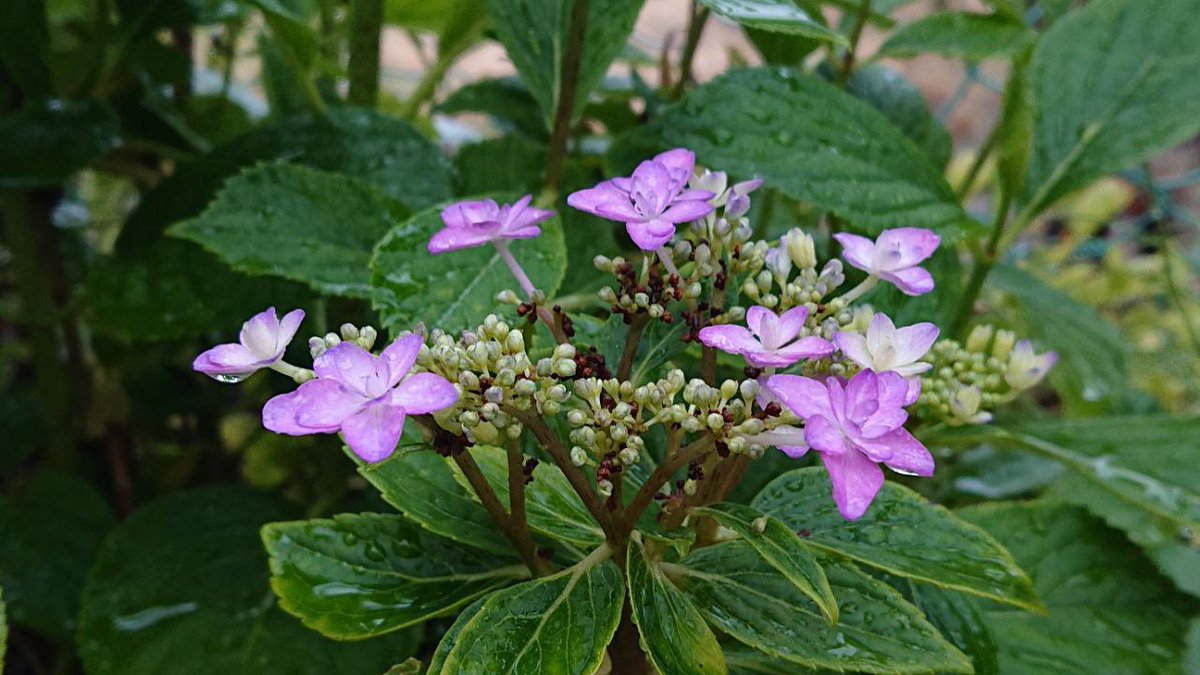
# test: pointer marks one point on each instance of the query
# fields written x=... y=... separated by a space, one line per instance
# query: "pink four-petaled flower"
x=364 y=396
x=652 y=201
x=886 y=347
x=475 y=223
x=770 y=341
x=894 y=256
x=260 y=345
x=855 y=426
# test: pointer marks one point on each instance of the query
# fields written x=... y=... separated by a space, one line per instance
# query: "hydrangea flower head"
x=261 y=344
x=886 y=347
x=894 y=257
x=1025 y=368
x=652 y=201
x=364 y=396
x=855 y=426
x=475 y=223
x=770 y=339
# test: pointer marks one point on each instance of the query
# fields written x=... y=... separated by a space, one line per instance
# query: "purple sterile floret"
x=886 y=347
x=855 y=426
x=364 y=396
x=261 y=344
x=771 y=339
x=894 y=257
x=652 y=201
x=475 y=223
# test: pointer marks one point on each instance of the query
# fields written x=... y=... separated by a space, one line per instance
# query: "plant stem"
x=366 y=25
x=578 y=480
x=625 y=650
x=984 y=152
x=983 y=265
x=694 y=30
x=434 y=75
x=860 y=22
x=662 y=474
x=633 y=339
x=563 y=114
x=515 y=267
x=518 y=535
x=518 y=521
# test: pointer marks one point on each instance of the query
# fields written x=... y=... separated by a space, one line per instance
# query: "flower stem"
x=662 y=474
x=633 y=338
x=860 y=22
x=519 y=536
x=861 y=289
x=291 y=371
x=664 y=254
x=515 y=267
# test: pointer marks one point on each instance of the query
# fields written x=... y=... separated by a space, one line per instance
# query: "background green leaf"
x=46 y=142
x=903 y=104
x=454 y=290
x=974 y=37
x=297 y=223
x=181 y=587
x=902 y=534
x=357 y=576
x=778 y=16
x=817 y=144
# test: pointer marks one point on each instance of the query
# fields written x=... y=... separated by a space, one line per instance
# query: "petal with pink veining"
x=260 y=334
x=457 y=238
x=288 y=325
x=913 y=342
x=606 y=200
x=468 y=213
x=824 y=436
x=229 y=359
x=679 y=162
x=401 y=355
x=729 y=338
x=854 y=346
x=354 y=367
x=909 y=456
x=791 y=323
x=683 y=211
x=904 y=247
x=650 y=235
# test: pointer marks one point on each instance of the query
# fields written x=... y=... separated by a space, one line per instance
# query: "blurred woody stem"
x=672 y=463
x=860 y=22
x=633 y=339
x=694 y=30
x=572 y=61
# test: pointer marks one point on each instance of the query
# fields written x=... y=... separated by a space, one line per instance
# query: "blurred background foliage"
x=122 y=118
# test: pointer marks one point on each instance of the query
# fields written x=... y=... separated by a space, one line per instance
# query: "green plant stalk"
x=695 y=30
x=426 y=88
x=518 y=520
x=565 y=111
x=984 y=152
x=662 y=473
x=366 y=26
x=860 y=22
x=984 y=261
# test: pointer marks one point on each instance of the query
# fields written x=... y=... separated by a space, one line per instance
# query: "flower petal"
x=904 y=247
x=422 y=393
x=909 y=456
x=468 y=213
x=606 y=200
x=913 y=342
x=352 y=366
x=811 y=347
x=854 y=346
x=683 y=211
x=651 y=234
x=679 y=162
x=229 y=359
x=279 y=415
x=457 y=238
x=791 y=323
x=373 y=433
x=755 y=318
x=288 y=327
x=911 y=281
x=823 y=436
x=401 y=355
x=325 y=404
x=803 y=396
x=260 y=335
x=856 y=480
x=858 y=251
x=729 y=338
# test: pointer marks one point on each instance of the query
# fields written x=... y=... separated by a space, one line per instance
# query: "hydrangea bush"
x=614 y=366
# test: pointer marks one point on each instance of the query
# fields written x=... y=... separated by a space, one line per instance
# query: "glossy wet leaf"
x=423 y=487
x=1115 y=84
x=878 y=632
x=673 y=631
x=974 y=37
x=455 y=290
x=535 y=33
x=450 y=638
x=903 y=104
x=1109 y=612
x=555 y=624
x=779 y=16
x=552 y=507
x=297 y=223
x=960 y=620
x=779 y=547
x=182 y=587
x=902 y=534
x=389 y=154
x=1091 y=372
x=357 y=576
x=52 y=527
x=45 y=142
x=818 y=144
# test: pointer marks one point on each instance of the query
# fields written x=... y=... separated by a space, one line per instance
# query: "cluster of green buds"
x=492 y=372
x=777 y=288
x=363 y=337
x=970 y=380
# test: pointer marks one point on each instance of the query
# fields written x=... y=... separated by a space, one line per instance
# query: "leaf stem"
x=985 y=260
x=568 y=84
x=517 y=534
x=427 y=87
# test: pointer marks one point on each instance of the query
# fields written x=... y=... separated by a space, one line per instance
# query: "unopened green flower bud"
x=1002 y=347
x=729 y=389
x=628 y=456
x=604 y=487
x=508 y=297
x=579 y=456
x=800 y=248
x=367 y=336
x=468 y=418
x=565 y=368
x=689 y=487
x=691 y=425
x=564 y=351
x=979 y=338
x=576 y=418
x=349 y=332
x=715 y=421
x=525 y=388
x=332 y=340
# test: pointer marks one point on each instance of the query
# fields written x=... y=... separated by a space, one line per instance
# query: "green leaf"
x=423 y=487
x=781 y=548
x=1014 y=134
x=25 y=47
x=389 y=154
x=46 y=142
x=455 y=290
x=901 y=534
x=506 y=164
x=816 y=143
x=52 y=526
x=902 y=103
x=779 y=16
x=357 y=576
x=553 y=508
x=504 y=99
x=182 y=587
x=878 y=632
x=1136 y=472
x=174 y=289
x=450 y=638
x=960 y=620
x=534 y=33
x=1115 y=83
x=673 y=632
x=1109 y=613
x=3 y=629
x=556 y=624
x=1091 y=372
x=297 y=223
x=974 y=37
